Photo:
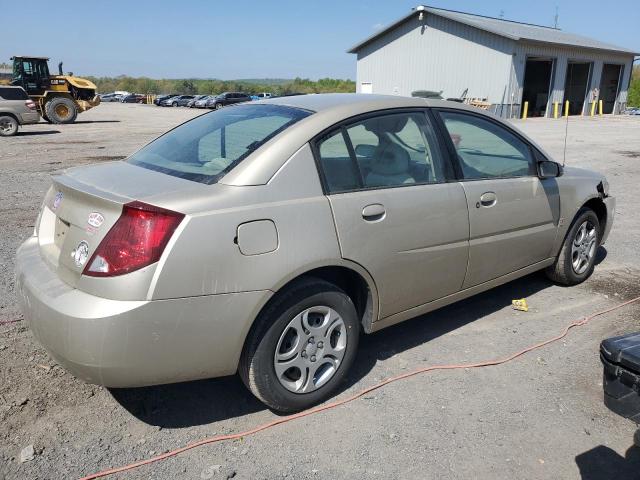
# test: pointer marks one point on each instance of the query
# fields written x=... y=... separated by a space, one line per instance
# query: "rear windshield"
x=207 y=147
x=13 y=93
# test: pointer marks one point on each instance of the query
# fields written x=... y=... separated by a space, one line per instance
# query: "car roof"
x=328 y=110
x=358 y=101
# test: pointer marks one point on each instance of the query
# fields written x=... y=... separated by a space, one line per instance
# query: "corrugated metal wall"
x=440 y=54
x=437 y=54
x=562 y=56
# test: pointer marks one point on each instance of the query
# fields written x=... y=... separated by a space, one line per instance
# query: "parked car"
x=159 y=99
x=262 y=239
x=134 y=98
x=16 y=108
x=202 y=102
x=192 y=103
x=111 y=97
x=261 y=96
x=227 y=98
x=177 y=101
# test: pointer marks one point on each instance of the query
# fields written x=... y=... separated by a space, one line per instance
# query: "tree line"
x=145 y=85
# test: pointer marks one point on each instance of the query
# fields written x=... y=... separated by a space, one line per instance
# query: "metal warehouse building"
x=504 y=62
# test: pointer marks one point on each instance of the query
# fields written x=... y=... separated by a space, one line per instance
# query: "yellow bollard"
x=600 y=107
x=555 y=109
x=525 y=110
x=566 y=108
x=593 y=108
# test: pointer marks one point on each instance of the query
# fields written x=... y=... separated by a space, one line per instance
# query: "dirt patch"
x=622 y=284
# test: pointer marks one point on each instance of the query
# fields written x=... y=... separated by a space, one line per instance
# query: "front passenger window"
x=485 y=149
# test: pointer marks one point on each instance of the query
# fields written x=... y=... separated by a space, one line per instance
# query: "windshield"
x=207 y=147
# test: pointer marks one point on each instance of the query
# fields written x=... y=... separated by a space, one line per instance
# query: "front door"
x=394 y=212
x=513 y=214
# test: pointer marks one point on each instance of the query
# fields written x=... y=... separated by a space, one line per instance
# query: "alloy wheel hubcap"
x=6 y=125
x=583 y=247
x=310 y=349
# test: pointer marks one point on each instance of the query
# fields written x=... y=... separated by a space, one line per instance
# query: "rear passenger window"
x=339 y=170
x=389 y=150
x=13 y=94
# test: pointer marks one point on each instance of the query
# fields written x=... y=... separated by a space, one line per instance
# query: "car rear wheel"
x=301 y=346
x=219 y=106
x=8 y=126
x=577 y=256
x=61 y=110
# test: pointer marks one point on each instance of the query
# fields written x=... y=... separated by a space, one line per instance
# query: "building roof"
x=505 y=28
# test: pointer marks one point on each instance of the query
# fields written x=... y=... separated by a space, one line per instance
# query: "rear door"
x=513 y=214
x=394 y=210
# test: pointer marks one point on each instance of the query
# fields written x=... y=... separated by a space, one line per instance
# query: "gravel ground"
x=540 y=416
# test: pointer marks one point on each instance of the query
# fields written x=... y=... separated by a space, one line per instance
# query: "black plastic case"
x=621 y=382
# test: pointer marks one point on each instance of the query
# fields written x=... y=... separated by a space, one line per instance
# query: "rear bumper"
x=29 y=118
x=610 y=203
x=132 y=343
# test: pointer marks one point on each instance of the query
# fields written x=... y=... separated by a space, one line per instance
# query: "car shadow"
x=603 y=463
x=97 y=121
x=417 y=331
x=37 y=132
x=201 y=402
x=188 y=404
x=601 y=254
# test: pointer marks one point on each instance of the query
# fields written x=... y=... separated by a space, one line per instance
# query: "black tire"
x=45 y=118
x=563 y=271
x=174 y=104
x=218 y=106
x=61 y=110
x=256 y=366
x=8 y=126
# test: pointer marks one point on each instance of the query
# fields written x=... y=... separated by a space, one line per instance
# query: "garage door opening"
x=609 y=84
x=575 y=86
x=537 y=85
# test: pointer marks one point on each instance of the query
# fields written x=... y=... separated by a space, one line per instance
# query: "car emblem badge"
x=57 y=200
x=95 y=219
x=80 y=254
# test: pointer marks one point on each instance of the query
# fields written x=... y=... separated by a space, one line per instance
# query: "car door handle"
x=374 y=212
x=487 y=200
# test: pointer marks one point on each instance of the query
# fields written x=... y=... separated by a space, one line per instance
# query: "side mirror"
x=547 y=169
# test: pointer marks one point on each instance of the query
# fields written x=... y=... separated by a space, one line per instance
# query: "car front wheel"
x=577 y=256
x=301 y=346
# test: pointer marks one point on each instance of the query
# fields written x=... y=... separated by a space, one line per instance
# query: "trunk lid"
x=84 y=203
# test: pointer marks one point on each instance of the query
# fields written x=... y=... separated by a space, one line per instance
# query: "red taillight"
x=30 y=104
x=136 y=240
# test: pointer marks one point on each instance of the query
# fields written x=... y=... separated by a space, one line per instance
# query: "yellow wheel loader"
x=59 y=98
